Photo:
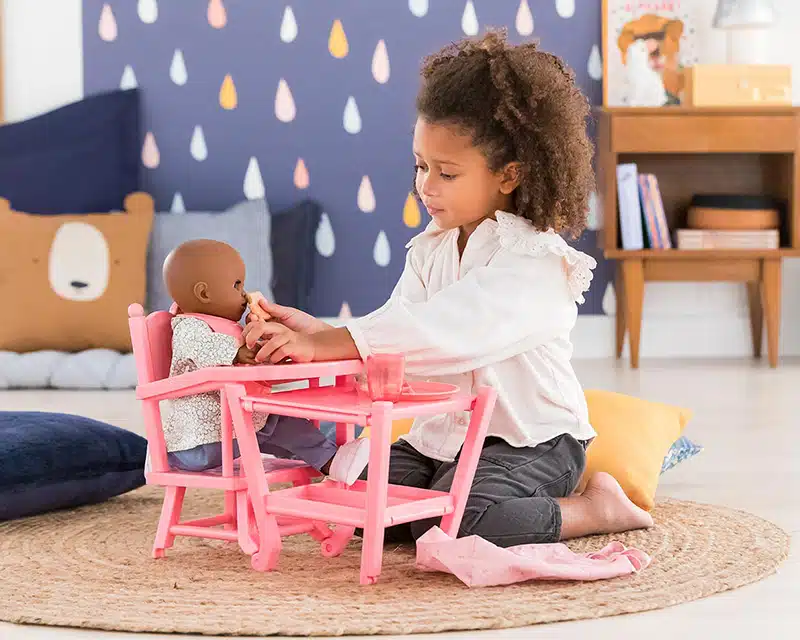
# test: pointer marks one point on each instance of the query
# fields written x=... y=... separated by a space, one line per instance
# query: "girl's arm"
x=334 y=344
x=492 y=313
x=338 y=344
x=303 y=338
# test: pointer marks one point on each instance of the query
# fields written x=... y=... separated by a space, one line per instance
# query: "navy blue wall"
x=248 y=47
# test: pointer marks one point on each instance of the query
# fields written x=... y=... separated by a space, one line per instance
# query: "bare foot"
x=615 y=511
x=603 y=507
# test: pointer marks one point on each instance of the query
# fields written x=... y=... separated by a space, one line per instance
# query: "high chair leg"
x=269 y=540
x=468 y=460
x=243 y=517
x=377 y=491
x=269 y=537
x=170 y=516
x=333 y=546
x=320 y=532
x=231 y=509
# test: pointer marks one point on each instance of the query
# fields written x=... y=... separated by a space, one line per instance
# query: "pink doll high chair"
x=371 y=505
x=151 y=338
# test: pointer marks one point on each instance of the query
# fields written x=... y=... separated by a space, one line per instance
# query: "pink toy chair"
x=151 y=338
x=373 y=504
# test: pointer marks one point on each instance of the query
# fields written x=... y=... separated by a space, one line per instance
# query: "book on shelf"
x=655 y=219
x=630 y=207
x=642 y=219
x=708 y=239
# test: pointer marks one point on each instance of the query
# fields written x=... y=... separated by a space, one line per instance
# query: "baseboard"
x=678 y=337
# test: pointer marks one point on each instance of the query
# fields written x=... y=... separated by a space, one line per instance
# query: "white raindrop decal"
x=324 y=238
x=253 y=182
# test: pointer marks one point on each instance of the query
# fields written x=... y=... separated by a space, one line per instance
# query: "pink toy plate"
x=419 y=391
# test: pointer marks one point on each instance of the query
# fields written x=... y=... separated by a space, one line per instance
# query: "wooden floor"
x=746 y=415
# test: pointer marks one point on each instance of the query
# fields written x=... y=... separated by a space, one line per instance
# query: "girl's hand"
x=291 y=318
x=277 y=342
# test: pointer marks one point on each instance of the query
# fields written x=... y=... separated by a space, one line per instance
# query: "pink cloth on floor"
x=480 y=563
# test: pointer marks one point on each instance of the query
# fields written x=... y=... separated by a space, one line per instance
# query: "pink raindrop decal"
x=217 y=16
x=380 y=63
x=107 y=27
x=285 y=109
x=301 y=177
x=150 y=154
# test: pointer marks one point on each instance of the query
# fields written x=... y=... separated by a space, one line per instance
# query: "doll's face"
x=221 y=289
x=206 y=276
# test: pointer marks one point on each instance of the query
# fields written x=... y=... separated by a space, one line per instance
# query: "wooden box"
x=737 y=85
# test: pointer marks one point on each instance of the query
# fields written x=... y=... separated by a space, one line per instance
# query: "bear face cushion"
x=66 y=281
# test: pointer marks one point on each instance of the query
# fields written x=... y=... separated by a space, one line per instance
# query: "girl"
x=489 y=295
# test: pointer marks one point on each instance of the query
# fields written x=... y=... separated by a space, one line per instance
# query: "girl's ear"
x=201 y=292
x=510 y=177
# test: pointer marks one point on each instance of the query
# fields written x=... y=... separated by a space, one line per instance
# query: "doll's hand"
x=245 y=355
x=278 y=342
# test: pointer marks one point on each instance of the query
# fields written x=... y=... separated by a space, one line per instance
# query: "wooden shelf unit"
x=753 y=151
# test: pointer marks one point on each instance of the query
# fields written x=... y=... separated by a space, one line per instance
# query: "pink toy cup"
x=385 y=373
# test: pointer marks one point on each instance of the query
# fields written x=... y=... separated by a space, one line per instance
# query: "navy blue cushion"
x=54 y=460
x=80 y=158
x=293 y=253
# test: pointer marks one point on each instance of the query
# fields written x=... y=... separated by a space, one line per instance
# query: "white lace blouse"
x=500 y=316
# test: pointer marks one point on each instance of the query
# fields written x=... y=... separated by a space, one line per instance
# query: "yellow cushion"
x=399 y=428
x=633 y=436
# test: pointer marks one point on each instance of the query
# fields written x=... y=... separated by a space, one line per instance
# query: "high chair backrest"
x=151 y=338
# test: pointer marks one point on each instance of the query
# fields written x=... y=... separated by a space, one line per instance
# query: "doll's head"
x=206 y=276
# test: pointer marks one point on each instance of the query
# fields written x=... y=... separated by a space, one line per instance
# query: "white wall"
x=44 y=69
x=43 y=55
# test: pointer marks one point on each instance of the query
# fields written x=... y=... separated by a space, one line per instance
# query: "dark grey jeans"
x=513 y=496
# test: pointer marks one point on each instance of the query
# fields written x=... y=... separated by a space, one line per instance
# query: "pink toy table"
x=372 y=505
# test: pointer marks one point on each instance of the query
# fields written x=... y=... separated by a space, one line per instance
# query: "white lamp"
x=743 y=15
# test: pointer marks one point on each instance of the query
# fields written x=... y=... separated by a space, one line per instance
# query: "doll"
x=205 y=279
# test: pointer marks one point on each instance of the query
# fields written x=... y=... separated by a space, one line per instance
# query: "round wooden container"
x=724 y=219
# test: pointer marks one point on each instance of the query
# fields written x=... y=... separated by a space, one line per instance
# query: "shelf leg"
x=619 y=290
x=756 y=316
x=771 y=299
x=633 y=279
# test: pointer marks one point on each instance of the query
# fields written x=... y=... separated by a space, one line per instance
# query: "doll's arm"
x=193 y=339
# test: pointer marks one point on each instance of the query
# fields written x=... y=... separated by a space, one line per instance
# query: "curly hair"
x=519 y=104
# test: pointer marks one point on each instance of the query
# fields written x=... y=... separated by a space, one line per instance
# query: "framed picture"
x=646 y=45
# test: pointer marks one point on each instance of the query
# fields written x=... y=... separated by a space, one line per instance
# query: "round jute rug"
x=91 y=568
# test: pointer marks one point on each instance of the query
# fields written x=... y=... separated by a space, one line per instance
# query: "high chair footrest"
x=203 y=532
x=329 y=503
